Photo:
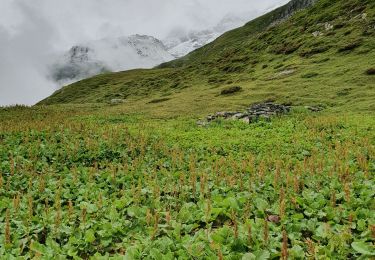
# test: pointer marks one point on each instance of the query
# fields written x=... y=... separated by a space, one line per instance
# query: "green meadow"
x=84 y=177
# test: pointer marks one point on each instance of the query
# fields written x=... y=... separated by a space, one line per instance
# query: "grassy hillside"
x=281 y=61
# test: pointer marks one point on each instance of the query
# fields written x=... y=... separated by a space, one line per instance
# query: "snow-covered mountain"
x=136 y=51
x=110 y=54
x=181 y=42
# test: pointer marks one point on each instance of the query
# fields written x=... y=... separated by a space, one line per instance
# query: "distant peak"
x=79 y=53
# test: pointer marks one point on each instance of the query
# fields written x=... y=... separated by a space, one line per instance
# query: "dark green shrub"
x=241 y=59
x=350 y=46
x=216 y=79
x=370 y=71
x=309 y=75
x=159 y=100
x=339 y=26
x=321 y=60
x=344 y=92
x=287 y=48
x=231 y=90
x=234 y=68
x=278 y=66
x=313 y=51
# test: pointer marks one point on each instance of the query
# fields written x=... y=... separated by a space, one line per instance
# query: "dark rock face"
x=79 y=53
x=296 y=5
x=77 y=64
x=290 y=8
x=253 y=113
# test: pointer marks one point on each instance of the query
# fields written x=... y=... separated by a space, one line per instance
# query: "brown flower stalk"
x=249 y=234
x=261 y=170
x=148 y=217
x=168 y=218
x=202 y=184
x=42 y=184
x=333 y=199
x=58 y=211
x=16 y=202
x=347 y=191
x=100 y=201
x=12 y=166
x=46 y=207
x=31 y=206
x=156 y=225
x=235 y=224
x=282 y=202
x=7 y=228
x=265 y=233
x=83 y=215
x=277 y=174
x=310 y=248
x=220 y=255
x=70 y=209
x=284 y=248
x=372 y=228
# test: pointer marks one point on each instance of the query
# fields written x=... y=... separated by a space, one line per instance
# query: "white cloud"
x=23 y=55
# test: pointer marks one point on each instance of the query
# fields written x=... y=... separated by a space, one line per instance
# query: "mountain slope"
x=319 y=55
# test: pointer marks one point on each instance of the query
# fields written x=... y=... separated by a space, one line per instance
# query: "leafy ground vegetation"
x=88 y=178
x=86 y=182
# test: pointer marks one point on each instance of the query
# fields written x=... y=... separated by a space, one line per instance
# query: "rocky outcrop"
x=294 y=6
x=76 y=64
x=255 y=112
x=289 y=9
x=252 y=114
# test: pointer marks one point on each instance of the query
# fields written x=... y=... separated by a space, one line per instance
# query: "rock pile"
x=253 y=113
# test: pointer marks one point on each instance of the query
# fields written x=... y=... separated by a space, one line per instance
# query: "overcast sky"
x=32 y=30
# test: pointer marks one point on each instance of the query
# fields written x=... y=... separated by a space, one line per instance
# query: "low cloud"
x=24 y=55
